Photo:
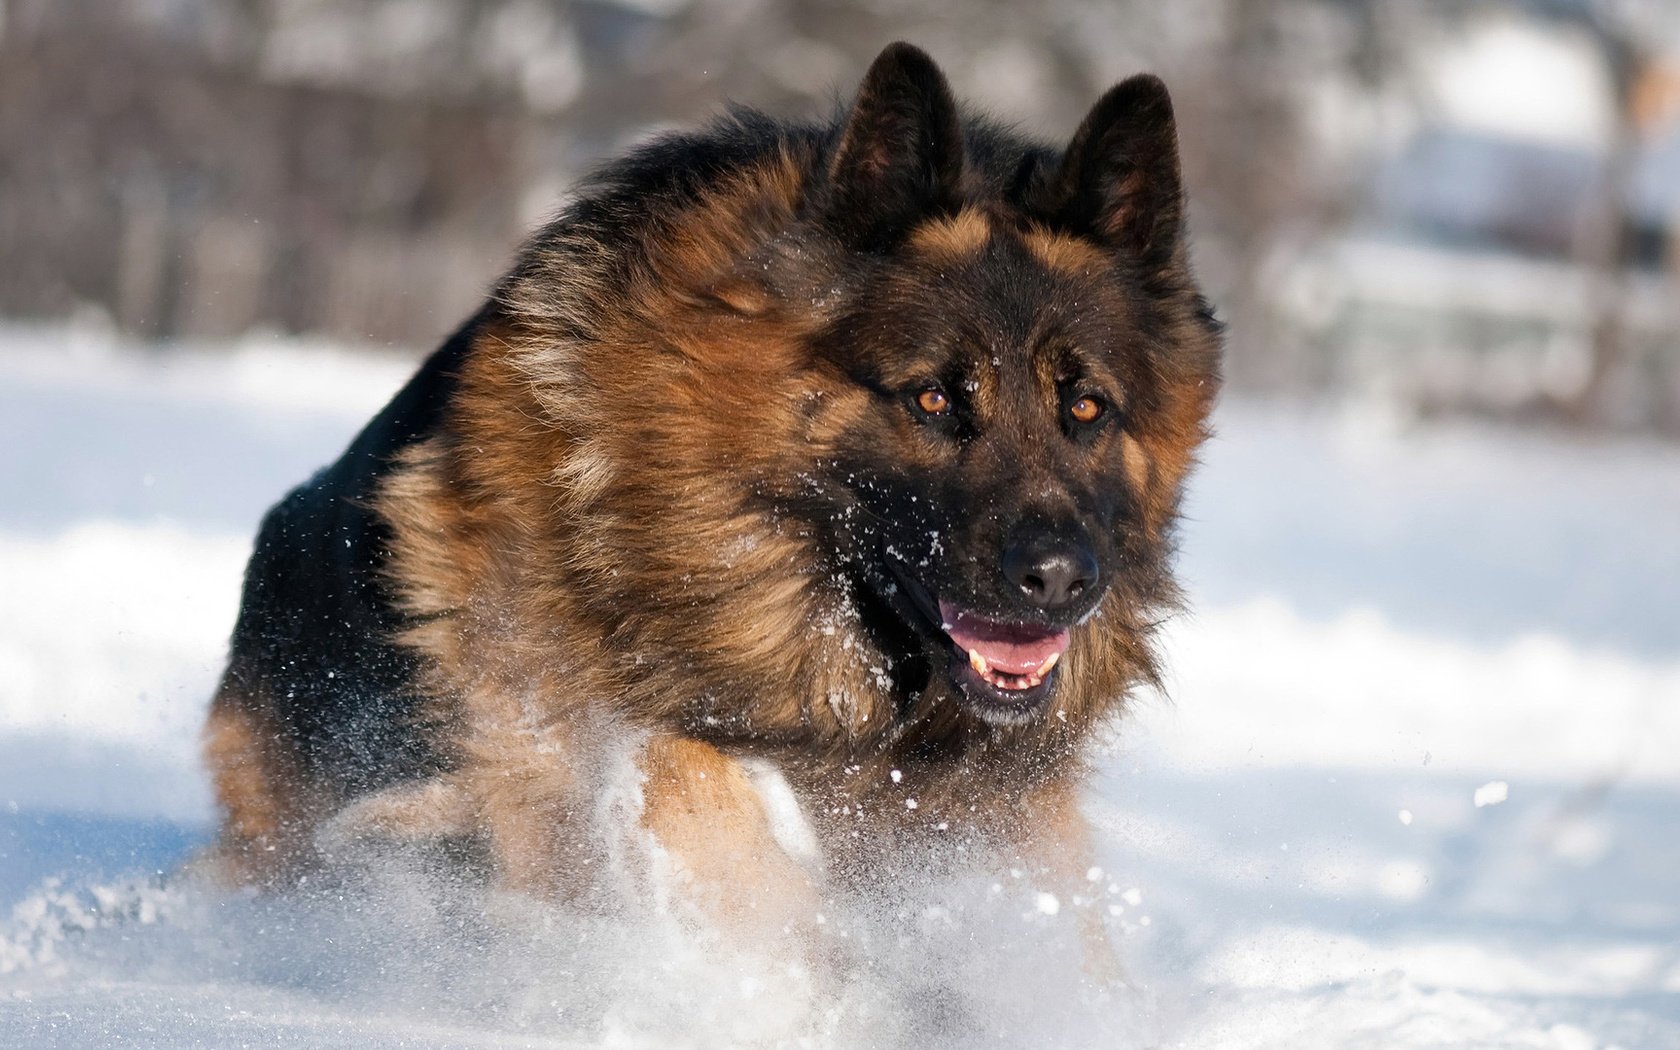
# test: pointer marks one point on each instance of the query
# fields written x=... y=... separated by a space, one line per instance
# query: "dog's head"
x=908 y=378
x=1014 y=382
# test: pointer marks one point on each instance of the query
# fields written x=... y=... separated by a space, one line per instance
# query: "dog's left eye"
x=1086 y=409
x=933 y=401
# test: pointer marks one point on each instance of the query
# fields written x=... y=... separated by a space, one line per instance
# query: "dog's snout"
x=1053 y=570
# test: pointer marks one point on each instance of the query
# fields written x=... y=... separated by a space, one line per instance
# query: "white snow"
x=1530 y=80
x=1491 y=794
x=1386 y=621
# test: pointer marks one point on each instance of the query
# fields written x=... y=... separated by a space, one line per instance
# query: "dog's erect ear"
x=1119 y=179
x=901 y=154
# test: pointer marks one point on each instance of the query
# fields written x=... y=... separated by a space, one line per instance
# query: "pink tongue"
x=1010 y=648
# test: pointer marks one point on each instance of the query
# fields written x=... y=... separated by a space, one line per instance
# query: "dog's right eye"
x=932 y=401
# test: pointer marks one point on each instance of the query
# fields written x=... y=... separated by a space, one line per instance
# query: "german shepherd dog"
x=837 y=462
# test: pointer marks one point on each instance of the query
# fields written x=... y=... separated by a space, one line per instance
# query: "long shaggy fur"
x=646 y=489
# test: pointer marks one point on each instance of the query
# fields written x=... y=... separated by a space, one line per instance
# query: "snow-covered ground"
x=1417 y=783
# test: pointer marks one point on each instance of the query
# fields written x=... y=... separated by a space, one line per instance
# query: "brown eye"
x=933 y=401
x=1086 y=410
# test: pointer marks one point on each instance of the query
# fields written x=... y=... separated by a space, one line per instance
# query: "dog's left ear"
x=901 y=154
x=1119 y=180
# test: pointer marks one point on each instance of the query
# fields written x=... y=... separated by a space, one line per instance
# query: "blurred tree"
x=363 y=168
x=1606 y=245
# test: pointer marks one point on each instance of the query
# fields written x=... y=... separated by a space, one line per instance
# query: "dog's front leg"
x=1056 y=845
x=710 y=821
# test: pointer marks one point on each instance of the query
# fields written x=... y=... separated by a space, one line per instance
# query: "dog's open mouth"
x=1007 y=657
x=1005 y=670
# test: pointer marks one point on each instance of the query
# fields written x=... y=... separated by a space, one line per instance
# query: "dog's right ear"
x=900 y=157
x=1119 y=179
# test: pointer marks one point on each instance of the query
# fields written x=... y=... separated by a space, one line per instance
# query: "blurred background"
x=1456 y=206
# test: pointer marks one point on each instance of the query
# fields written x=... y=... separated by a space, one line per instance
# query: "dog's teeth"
x=978 y=662
x=1049 y=662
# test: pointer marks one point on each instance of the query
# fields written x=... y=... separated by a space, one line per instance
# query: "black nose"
x=1052 y=569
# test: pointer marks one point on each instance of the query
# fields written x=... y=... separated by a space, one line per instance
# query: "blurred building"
x=1519 y=255
x=200 y=168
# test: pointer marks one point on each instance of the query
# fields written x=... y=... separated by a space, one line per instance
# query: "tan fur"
x=411 y=811
x=705 y=814
x=955 y=238
x=270 y=808
x=1065 y=255
x=1136 y=460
